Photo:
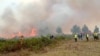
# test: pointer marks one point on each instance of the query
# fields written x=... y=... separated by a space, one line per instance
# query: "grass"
x=66 y=47
x=36 y=44
x=71 y=48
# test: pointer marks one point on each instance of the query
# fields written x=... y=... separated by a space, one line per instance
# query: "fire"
x=33 y=32
x=12 y=35
x=20 y=34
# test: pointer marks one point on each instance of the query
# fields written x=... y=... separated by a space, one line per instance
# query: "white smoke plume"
x=46 y=15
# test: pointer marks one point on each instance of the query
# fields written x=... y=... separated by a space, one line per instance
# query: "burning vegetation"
x=32 y=33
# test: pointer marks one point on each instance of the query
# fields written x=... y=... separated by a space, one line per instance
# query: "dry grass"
x=17 y=53
x=65 y=48
x=91 y=48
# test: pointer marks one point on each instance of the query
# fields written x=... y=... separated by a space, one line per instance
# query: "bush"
x=34 y=44
x=9 y=45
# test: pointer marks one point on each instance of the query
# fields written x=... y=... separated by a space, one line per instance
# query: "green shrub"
x=34 y=44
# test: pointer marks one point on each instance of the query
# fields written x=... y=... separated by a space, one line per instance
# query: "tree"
x=75 y=29
x=96 y=29
x=59 y=30
x=85 y=29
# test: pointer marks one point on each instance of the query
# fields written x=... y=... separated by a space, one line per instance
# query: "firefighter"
x=75 y=37
x=51 y=37
x=87 y=37
x=21 y=41
x=96 y=37
x=80 y=36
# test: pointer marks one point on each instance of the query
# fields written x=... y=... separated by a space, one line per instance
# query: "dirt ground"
x=70 y=48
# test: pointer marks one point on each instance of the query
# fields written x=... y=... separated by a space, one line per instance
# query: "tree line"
x=84 y=29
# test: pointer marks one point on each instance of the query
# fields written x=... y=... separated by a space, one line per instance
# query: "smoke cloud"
x=45 y=16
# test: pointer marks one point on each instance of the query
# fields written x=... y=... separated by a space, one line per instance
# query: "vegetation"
x=85 y=29
x=59 y=30
x=96 y=29
x=75 y=29
x=33 y=44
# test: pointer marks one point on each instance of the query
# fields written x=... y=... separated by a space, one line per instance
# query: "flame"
x=20 y=34
x=33 y=32
x=12 y=35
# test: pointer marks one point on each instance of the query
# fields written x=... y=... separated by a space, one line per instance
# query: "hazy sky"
x=14 y=3
x=26 y=14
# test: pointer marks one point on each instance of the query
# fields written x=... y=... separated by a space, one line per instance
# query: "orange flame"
x=12 y=35
x=20 y=34
x=33 y=32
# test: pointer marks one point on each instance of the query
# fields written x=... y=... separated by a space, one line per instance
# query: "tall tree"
x=59 y=30
x=85 y=29
x=96 y=29
x=75 y=29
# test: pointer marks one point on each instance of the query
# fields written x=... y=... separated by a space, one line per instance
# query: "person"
x=96 y=36
x=21 y=40
x=87 y=37
x=75 y=37
x=51 y=37
x=80 y=36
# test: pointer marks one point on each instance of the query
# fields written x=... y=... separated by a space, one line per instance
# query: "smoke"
x=45 y=16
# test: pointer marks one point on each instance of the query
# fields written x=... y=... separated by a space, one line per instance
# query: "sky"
x=13 y=3
x=21 y=15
